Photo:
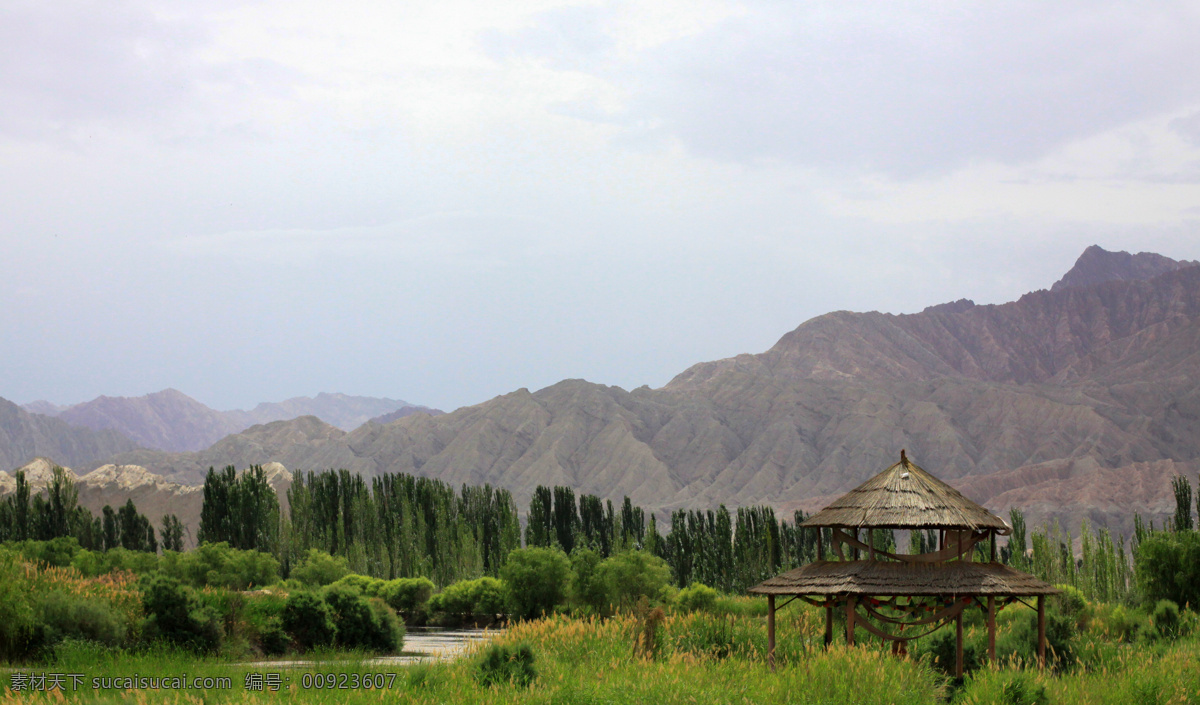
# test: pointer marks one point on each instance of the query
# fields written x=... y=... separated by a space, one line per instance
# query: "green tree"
x=629 y=576
x=536 y=579
x=172 y=533
x=1183 y=503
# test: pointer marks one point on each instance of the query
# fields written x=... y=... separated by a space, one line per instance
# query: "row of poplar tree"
x=397 y=525
x=27 y=516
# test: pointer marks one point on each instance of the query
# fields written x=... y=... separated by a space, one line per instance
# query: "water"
x=420 y=644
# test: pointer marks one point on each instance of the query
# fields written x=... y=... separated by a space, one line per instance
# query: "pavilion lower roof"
x=887 y=578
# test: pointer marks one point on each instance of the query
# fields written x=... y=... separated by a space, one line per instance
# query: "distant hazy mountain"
x=24 y=436
x=171 y=420
x=1077 y=402
x=296 y=443
x=341 y=410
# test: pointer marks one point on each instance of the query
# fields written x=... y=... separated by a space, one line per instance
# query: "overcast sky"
x=443 y=202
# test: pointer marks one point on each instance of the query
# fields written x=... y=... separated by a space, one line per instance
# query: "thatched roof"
x=886 y=578
x=906 y=497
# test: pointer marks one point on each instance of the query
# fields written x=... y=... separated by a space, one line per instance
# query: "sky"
x=443 y=202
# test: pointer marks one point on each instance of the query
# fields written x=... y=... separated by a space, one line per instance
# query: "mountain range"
x=1080 y=401
x=172 y=421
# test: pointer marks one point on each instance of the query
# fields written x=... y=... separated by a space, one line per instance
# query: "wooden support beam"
x=771 y=632
x=850 y=620
x=828 y=625
x=991 y=625
x=856 y=541
x=1041 y=609
x=958 y=651
x=992 y=543
x=820 y=543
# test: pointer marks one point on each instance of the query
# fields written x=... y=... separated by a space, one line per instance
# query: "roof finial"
x=903 y=457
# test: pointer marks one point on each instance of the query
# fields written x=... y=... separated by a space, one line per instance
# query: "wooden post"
x=991 y=624
x=828 y=625
x=992 y=543
x=969 y=553
x=820 y=547
x=771 y=632
x=856 y=541
x=850 y=620
x=958 y=652
x=1041 y=608
x=871 y=543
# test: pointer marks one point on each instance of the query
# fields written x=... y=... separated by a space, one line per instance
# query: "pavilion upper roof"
x=904 y=496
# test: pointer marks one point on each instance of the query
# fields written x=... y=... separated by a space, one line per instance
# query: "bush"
x=364 y=585
x=1166 y=619
x=629 y=576
x=318 y=568
x=536 y=579
x=407 y=595
x=71 y=617
x=218 y=565
x=175 y=615
x=1118 y=623
x=696 y=597
x=94 y=563
x=363 y=624
x=500 y=665
x=1167 y=567
x=1020 y=690
x=16 y=609
x=586 y=589
x=273 y=639
x=1019 y=642
x=308 y=619
x=942 y=648
x=466 y=598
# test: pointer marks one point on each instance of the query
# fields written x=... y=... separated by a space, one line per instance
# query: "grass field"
x=700 y=658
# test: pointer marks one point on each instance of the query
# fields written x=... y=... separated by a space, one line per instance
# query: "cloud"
x=905 y=90
x=72 y=64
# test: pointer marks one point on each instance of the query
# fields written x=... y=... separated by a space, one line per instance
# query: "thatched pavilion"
x=909 y=595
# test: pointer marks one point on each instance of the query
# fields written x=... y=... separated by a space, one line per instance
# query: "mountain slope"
x=172 y=421
x=24 y=436
x=1103 y=379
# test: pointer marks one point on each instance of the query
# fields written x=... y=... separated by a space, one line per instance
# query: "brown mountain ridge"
x=1072 y=402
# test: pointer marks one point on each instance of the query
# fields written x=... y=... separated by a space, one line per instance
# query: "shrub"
x=1118 y=622
x=94 y=563
x=586 y=589
x=942 y=648
x=536 y=579
x=318 y=568
x=218 y=565
x=1166 y=619
x=364 y=585
x=308 y=619
x=273 y=639
x=629 y=576
x=1020 y=640
x=175 y=615
x=69 y=617
x=1167 y=567
x=407 y=595
x=696 y=597
x=1020 y=690
x=500 y=665
x=465 y=598
x=16 y=610
x=361 y=623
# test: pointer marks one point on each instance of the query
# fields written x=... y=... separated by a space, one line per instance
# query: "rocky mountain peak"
x=122 y=477
x=1097 y=265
